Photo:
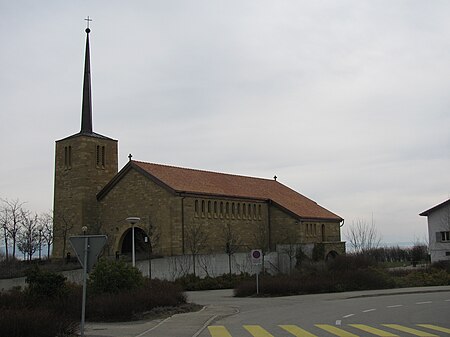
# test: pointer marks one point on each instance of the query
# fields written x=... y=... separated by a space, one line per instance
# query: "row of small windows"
x=221 y=209
x=314 y=229
x=67 y=157
x=100 y=157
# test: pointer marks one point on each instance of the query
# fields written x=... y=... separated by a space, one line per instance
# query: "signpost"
x=257 y=256
x=87 y=248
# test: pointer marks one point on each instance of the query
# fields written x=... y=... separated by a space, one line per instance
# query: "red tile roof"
x=228 y=185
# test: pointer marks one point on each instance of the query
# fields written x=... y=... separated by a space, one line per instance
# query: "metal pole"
x=133 y=252
x=83 y=305
x=257 y=282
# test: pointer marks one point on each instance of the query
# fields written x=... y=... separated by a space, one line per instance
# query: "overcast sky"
x=347 y=102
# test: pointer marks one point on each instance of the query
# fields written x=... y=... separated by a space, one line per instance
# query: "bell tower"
x=84 y=163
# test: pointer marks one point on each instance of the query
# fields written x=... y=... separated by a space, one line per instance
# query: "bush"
x=422 y=278
x=22 y=315
x=45 y=284
x=132 y=304
x=36 y=322
x=114 y=276
x=345 y=273
x=327 y=281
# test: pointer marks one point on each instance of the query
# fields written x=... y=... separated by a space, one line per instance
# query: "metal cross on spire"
x=88 y=20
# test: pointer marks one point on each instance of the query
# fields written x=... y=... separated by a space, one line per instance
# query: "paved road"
x=343 y=314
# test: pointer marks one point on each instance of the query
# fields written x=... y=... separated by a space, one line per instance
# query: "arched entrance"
x=141 y=243
x=331 y=255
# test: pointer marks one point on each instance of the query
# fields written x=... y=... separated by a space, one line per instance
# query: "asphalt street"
x=394 y=312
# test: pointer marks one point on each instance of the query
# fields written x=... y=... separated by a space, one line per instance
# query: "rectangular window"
x=98 y=155
x=445 y=236
x=70 y=157
x=103 y=157
x=67 y=157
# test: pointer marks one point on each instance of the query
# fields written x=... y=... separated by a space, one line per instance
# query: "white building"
x=439 y=231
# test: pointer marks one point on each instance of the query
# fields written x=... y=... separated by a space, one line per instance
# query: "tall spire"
x=86 y=112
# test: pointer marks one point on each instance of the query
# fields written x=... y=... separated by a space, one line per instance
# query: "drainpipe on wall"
x=182 y=225
x=269 y=224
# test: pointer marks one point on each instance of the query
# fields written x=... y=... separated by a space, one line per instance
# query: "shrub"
x=320 y=278
x=45 y=284
x=421 y=278
x=443 y=265
x=351 y=262
x=36 y=322
x=114 y=276
x=132 y=304
x=22 y=315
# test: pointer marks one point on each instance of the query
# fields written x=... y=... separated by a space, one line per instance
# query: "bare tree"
x=232 y=243
x=290 y=247
x=4 y=221
x=153 y=236
x=363 y=236
x=46 y=223
x=13 y=214
x=65 y=226
x=27 y=239
x=196 y=240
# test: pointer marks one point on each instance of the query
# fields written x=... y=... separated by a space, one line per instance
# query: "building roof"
x=434 y=208
x=191 y=181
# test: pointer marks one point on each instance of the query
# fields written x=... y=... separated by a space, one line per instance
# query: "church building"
x=181 y=210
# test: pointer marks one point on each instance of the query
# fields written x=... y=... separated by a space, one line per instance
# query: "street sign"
x=95 y=245
x=256 y=256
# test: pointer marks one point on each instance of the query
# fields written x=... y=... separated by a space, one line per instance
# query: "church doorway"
x=331 y=255
x=141 y=244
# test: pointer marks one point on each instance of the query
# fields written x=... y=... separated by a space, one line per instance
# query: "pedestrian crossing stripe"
x=410 y=330
x=257 y=331
x=218 y=331
x=434 y=327
x=294 y=330
x=335 y=331
x=373 y=331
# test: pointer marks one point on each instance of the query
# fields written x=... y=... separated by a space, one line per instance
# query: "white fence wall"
x=171 y=268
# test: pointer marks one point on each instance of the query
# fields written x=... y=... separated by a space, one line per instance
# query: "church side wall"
x=216 y=217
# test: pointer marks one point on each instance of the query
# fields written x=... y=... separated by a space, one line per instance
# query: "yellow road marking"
x=257 y=331
x=335 y=331
x=296 y=331
x=374 y=331
x=218 y=331
x=410 y=330
x=434 y=327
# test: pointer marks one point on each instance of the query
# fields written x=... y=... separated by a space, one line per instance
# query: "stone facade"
x=84 y=164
